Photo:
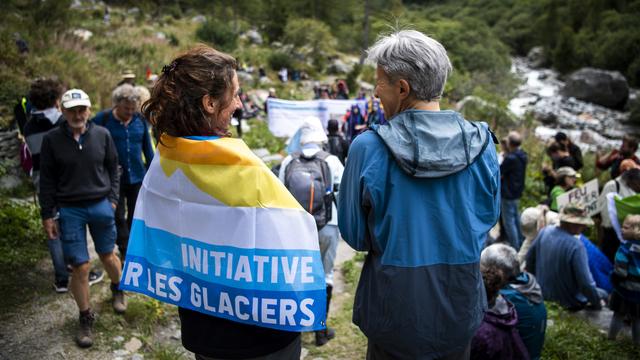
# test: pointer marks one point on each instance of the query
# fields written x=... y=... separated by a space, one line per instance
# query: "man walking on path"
x=512 y=171
x=130 y=134
x=45 y=115
x=79 y=181
x=420 y=195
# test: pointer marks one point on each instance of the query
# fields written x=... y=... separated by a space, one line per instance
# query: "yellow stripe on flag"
x=227 y=170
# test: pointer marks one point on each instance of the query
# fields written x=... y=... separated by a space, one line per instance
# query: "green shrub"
x=570 y=337
x=311 y=38
x=261 y=137
x=277 y=60
x=173 y=40
x=218 y=34
x=22 y=240
x=352 y=79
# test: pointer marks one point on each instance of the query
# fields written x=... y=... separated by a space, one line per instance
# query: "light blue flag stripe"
x=259 y=269
x=281 y=310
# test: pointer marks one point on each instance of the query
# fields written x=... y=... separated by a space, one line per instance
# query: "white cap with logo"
x=75 y=97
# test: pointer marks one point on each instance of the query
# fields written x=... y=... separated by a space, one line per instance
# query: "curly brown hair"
x=175 y=107
x=494 y=279
x=44 y=93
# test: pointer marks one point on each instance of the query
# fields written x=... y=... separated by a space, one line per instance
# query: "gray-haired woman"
x=523 y=291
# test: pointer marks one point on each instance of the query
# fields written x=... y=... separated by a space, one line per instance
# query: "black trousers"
x=610 y=243
x=375 y=352
x=124 y=214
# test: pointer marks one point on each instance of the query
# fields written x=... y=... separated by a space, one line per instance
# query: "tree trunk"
x=365 y=32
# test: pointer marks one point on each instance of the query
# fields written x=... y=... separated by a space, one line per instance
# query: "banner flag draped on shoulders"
x=216 y=232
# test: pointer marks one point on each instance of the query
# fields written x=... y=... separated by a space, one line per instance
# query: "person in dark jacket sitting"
x=512 y=172
x=497 y=337
x=523 y=291
x=574 y=150
x=559 y=261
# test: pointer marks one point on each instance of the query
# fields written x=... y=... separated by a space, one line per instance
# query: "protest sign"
x=286 y=116
x=216 y=232
x=586 y=195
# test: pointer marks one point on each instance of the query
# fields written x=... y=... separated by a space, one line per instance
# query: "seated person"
x=627 y=184
x=565 y=180
x=613 y=159
x=497 y=337
x=560 y=157
x=625 y=299
x=523 y=291
x=599 y=266
x=559 y=261
x=573 y=149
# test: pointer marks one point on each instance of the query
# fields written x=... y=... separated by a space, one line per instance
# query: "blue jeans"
x=100 y=218
x=57 y=257
x=511 y=221
x=328 y=238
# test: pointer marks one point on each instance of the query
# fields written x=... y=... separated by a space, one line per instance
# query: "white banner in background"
x=286 y=116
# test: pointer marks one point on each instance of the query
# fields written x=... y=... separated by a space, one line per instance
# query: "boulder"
x=338 y=66
x=82 y=34
x=199 y=19
x=254 y=36
x=537 y=57
x=245 y=78
x=634 y=100
x=602 y=87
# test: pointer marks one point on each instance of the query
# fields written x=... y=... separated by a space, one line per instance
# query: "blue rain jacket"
x=420 y=194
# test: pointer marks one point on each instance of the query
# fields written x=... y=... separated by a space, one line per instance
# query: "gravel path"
x=44 y=324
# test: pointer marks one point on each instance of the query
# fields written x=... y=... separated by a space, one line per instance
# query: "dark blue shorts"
x=73 y=229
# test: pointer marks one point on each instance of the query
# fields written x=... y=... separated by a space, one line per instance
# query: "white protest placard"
x=286 y=116
x=586 y=195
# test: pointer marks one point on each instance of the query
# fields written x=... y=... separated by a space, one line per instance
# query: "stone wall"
x=11 y=174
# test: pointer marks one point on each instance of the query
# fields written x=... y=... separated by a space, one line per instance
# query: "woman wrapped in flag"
x=214 y=231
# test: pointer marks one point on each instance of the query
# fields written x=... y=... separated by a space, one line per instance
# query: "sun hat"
x=575 y=214
x=566 y=171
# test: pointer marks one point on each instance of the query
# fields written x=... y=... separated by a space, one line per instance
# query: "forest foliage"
x=480 y=36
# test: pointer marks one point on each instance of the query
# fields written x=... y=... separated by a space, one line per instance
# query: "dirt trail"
x=344 y=253
x=42 y=326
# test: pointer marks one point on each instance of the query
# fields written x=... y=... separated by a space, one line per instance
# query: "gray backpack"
x=309 y=180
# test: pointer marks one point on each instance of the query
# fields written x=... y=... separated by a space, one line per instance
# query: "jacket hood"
x=527 y=285
x=502 y=314
x=432 y=144
x=52 y=115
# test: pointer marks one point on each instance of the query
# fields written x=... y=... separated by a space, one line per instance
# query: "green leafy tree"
x=218 y=34
x=564 y=54
x=311 y=38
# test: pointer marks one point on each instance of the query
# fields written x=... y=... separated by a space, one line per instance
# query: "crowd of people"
x=552 y=239
x=416 y=187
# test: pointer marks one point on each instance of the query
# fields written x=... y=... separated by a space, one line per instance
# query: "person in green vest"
x=566 y=178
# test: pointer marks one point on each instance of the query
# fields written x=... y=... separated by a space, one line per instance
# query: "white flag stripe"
x=214 y=223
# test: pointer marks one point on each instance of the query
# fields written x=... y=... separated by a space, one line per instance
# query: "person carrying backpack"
x=313 y=177
x=336 y=144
